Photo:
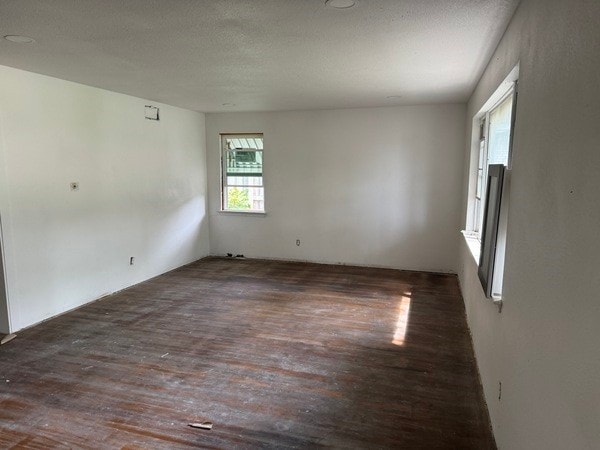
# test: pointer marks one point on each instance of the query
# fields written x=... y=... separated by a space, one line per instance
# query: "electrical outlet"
x=131 y=260
x=298 y=242
x=74 y=186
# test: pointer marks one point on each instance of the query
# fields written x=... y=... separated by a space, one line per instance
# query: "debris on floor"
x=202 y=425
x=7 y=338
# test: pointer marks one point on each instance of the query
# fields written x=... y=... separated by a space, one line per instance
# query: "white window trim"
x=222 y=181
x=485 y=118
x=506 y=88
x=472 y=235
x=237 y=213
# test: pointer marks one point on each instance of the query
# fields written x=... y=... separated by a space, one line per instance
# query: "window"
x=488 y=213
x=489 y=271
x=494 y=148
x=242 y=188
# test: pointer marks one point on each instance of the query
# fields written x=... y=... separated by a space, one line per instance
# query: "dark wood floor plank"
x=275 y=354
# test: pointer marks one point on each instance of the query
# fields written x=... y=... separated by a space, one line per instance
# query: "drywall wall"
x=142 y=192
x=543 y=347
x=373 y=186
x=4 y=314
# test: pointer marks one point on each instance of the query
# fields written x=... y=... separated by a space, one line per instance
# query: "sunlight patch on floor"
x=402 y=323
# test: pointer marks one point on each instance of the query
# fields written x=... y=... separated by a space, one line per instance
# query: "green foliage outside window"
x=238 y=198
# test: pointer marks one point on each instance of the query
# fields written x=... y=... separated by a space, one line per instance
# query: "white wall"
x=373 y=186
x=142 y=192
x=545 y=345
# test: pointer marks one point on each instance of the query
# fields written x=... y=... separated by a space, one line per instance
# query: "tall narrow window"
x=242 y=188
x=499 y=133
x=489 y=233
x=491 y=194
x=481 y=166
x=494 y=148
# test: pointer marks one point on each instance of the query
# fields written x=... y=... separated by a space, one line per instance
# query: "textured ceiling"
x=260 y=54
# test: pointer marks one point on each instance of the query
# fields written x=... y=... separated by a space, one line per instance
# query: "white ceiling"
x=260 y=54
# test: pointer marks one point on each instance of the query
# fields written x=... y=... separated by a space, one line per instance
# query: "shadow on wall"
x=180 y=236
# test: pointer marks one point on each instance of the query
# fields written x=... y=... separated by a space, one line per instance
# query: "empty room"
x=300 y=224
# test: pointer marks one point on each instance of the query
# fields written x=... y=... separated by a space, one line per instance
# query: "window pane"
x=477 y=211
x=244 y=199
x=245 y=181
x=481 y=154
x=244 y=143
x=499 y=134
x=244 y=163
x=242 y=173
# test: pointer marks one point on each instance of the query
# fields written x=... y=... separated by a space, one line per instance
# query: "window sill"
x=473 y=244
x=243 y=213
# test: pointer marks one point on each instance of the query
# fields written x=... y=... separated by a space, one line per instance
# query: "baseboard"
x=330 y=263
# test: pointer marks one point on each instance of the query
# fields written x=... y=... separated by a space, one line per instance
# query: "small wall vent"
x=152 y=113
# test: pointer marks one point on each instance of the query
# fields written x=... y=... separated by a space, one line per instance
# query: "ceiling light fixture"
x=341 y=4
x=394 y=97
x=19 y=39
x=228 y=104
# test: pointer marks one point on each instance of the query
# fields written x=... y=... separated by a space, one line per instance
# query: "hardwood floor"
x=275 y=354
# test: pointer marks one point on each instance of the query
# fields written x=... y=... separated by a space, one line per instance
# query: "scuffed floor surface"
x=275 y=355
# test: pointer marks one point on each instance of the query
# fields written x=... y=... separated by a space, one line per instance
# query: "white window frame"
x=481 y=176
x=477 y=197
x=484 y=123
x=224 y=185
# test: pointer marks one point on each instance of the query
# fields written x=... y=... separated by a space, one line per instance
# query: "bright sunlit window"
x=242 y=188
x=491 y=161
x=494 y=148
